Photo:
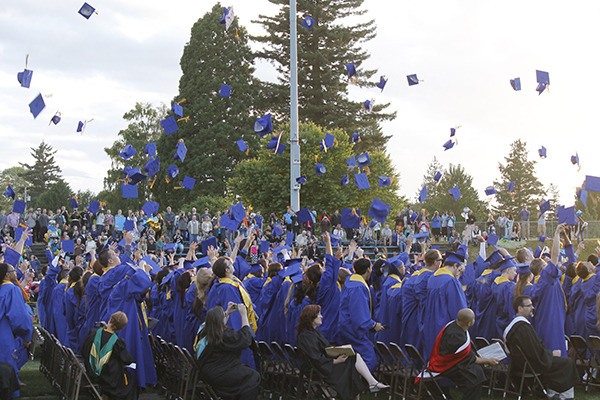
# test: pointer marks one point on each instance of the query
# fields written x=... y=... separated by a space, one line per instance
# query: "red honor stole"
x=441 y=363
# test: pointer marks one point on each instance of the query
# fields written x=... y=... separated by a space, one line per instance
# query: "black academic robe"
x=558 y=373
x=221 y=366
x=8 y=381
x=115 y=381
x=344 y=377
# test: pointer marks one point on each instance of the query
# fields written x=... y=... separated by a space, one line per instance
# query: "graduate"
x=394 y=307
x=410 y=312
x=296 y=301
x=503 y=289
x=75 y=306
x=329 y=292
x=269 y=322
x=396 y=271
x=195 y=303
x=92 y=311
x=182 y=280
x=59 y=320
x=160 y=296
x=356 y=325
x=445 y=298
x=433 y=261
x=44 y=300
x=114 y=272
x=253 y=282
x=485 y=302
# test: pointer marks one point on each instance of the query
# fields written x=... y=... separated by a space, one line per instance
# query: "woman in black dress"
x=346 y=374
x=218 y=351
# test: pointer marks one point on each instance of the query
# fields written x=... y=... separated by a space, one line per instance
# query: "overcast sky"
x=465 y=51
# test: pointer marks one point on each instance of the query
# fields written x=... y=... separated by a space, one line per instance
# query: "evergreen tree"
x=337 y=38
x=56 y=196
x=553 y=196
x=433 y=189
x=212 y=57
x=528 y=190
x=43 y=173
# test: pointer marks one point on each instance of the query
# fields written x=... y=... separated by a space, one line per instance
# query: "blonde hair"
x=118 y=321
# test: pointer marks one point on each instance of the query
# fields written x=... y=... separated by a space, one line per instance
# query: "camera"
x=234 y=307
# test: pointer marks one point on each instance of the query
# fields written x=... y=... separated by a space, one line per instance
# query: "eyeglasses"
x=527 y=305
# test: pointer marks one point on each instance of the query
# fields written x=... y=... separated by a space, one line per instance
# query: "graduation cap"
x=368 y=104
x=538 y=252
x=494 y=258
x=423 y=194
x=135 y=176
x=94 y=206
x=152 y=166
x=127 y=152
x=150 y=208
x=73 y=202
x=280 y=148
x=413 y=216
x=19 y=232
x=86 y=11
x=516 y=84
x=379 y=210
x=181 y=151
x=328 y=142
x=289 y=238
x=301 y=180
x=544 y=206
x=490 y=190
x=128 y=225
x=169 y=248
x=227 y=17
x=567 y=215
x=412 y=79
x=582 y=195
x=177 y=109
x=511 y=186
x=345 y=180
x=592 y=183
x=304 y=215
x=307 y=22
x=351 y=70
x=153 y=264
x=277 y=229
x=492 y=239
x=263 y=125
x=238 y=212
x=543 y=80
x=382 y=82
x=11 y=257
x=264 y=246
x=55 y=118
x=437 y=176
x=355 y=138
x=172 y=171
x=37 y=105
x=225 y=90
x=320 y=169
x=351 y=162
x=68 y=246
x=210 y=241
x=203 y=262
x=448 y=145
x=457 y=257
x=241 y=144
x=150 y=149
x=575 y=160
x=523 y=268
x=188 y=182
x=455 y=192
x=350 y=218
x=384 y=181
x=129 y=191
x=24 y=77
x=169 y=125
x=363 y=159
x=228 y=223
x=19 y=206
x=9 y=192
x=542 y=152
x=508 y=262
x=361 y=181
x=542 y=238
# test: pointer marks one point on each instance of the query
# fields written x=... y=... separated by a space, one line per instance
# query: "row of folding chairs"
x=177 y=372
x=586 y=356
x=65 y=372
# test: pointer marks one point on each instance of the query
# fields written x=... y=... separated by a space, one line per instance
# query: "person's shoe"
x=377 y=387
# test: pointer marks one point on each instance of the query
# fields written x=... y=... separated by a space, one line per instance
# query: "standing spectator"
x=436 y=225
x=169 y=218
x=181 y=223
x=287 y=218
x=207 y=226
x=386 y=235
x=109 y=221
x=43 y=220
x=541 y=225
x=451 y=224
x=525 y=215
x=444 y=223
x=13 y=222
x=489 y=224
x=119 y=223
x=509 y=226
x=100 y=221
x=31 y=219
x=502 y=220
x=336 y=218
x=193 y=228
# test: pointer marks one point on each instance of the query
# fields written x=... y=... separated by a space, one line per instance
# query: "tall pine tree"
x=335 y=40
x=43 y=173
x=213 y=57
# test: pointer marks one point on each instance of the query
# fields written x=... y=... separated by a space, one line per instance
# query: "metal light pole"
x=294 y=139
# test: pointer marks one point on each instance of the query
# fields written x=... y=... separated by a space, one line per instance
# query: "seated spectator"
x=386 y=235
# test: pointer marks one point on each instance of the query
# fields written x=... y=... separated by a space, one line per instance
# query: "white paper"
x=494 y=351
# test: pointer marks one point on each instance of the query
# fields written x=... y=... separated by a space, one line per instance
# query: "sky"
x=464 y=51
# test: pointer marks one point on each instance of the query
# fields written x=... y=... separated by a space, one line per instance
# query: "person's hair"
x=274 y=269
x=182 y=285
x=521 y=284
x=593 y=259
x=158 y=278
x=518 y=302
x=3 y=271
x=342 y=275
x=118 y=321
x=582 y=271
x=536 y=266
x=104 y=257
x=571 y=271
x=214 y=326
x=312 y=277
x=522 y=255
x=97 y=268
x=62 y=274
x=361 y=265
x=203 y=280
x=431 y=256
x=220 y=266
x=307 y=316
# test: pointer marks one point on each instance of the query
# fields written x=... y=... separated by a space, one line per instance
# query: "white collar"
x=512 y=323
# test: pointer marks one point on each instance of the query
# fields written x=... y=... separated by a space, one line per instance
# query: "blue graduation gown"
x=292 y=317
x=126 y=296
x=328 y=297
x=107 y=281
x=16 y=326
x=192 y=322
x=92 y=312
x=410 y=312
x=503 y=291
x=59 y=325
x=355 y=322
x=383 y=316
x=445 y=297
x=178 y=309
x=75 y=317
x=394 y=298
x=270 y=322
x=44 y=300
x=420 y=287
x=485 y=309
x=253 y=286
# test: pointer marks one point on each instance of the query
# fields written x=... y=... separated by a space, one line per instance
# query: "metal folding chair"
x=527 y=372
x=581 y=357
x=420 y=371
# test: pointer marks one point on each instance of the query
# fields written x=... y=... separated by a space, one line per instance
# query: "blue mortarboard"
x=241 y=144
x=68 y=246
x=542 y=239
x=55 y=119
x=592 y=183
x=228 y=223
x=188 y=182
x=437 y=176
x=135 y=176
x=169 y=247
x=11 y=257
x=345 y=180
x=382 y=82
x=566 y=215
x=540 y=88
x=511 y=186
x=379 y=210
x=301 y=180
x=280 y=147
x=542 y=77
x=421 y=235
x=448 y=145
x=582 y=195
x=575 y=159
x=127 y=152
x=455 y=192
x=542 y=152
x=492 y=239
x=516 y=83
x=328 y=142
x=128 y=225
x=494 y=258
x=225 y=90
x=351 y=162
x=155 y=267
x=264 y=246
x=73 y=202
x=18 y=232
x=544 y=206
x=150 y=208
x=297 y=278
x=210 y=241
x=129 y=191
x=384 y=181
x=150 y=149
x=94 y=206
x=351 y=70
x=9 y=192
x=490 y=190
x=523 y=268
x=273 y=142
x=181 y=151
x=277 y=229
x=368 y=104
x=508 y=262
x=203 y=262
x=169 y=125
x=128 y=170
x=172 y=171
x=238 y=212
x=24 y=77
x=335 y=240
x=304 y=215
x=412 y=79
x=19 y=206
x=177 y=109
x=80 y=126
x=350 y=218
x=320 y=169
x=363 y=159
x=86 y=10
x=263 y=125
x=355 y=138
x=279 y=249
x=413 y=216
x=423 y=194
x=293 y=269
x=452 y=132
x=289 y=238
x=37 y=105
x=152 y=166
x=307 y=22
x=454 y=257
x=361 y=181
x=538 y=252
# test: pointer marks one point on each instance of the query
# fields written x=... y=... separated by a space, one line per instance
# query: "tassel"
x=182 y=101
x=153 y=181
x=186 y=119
